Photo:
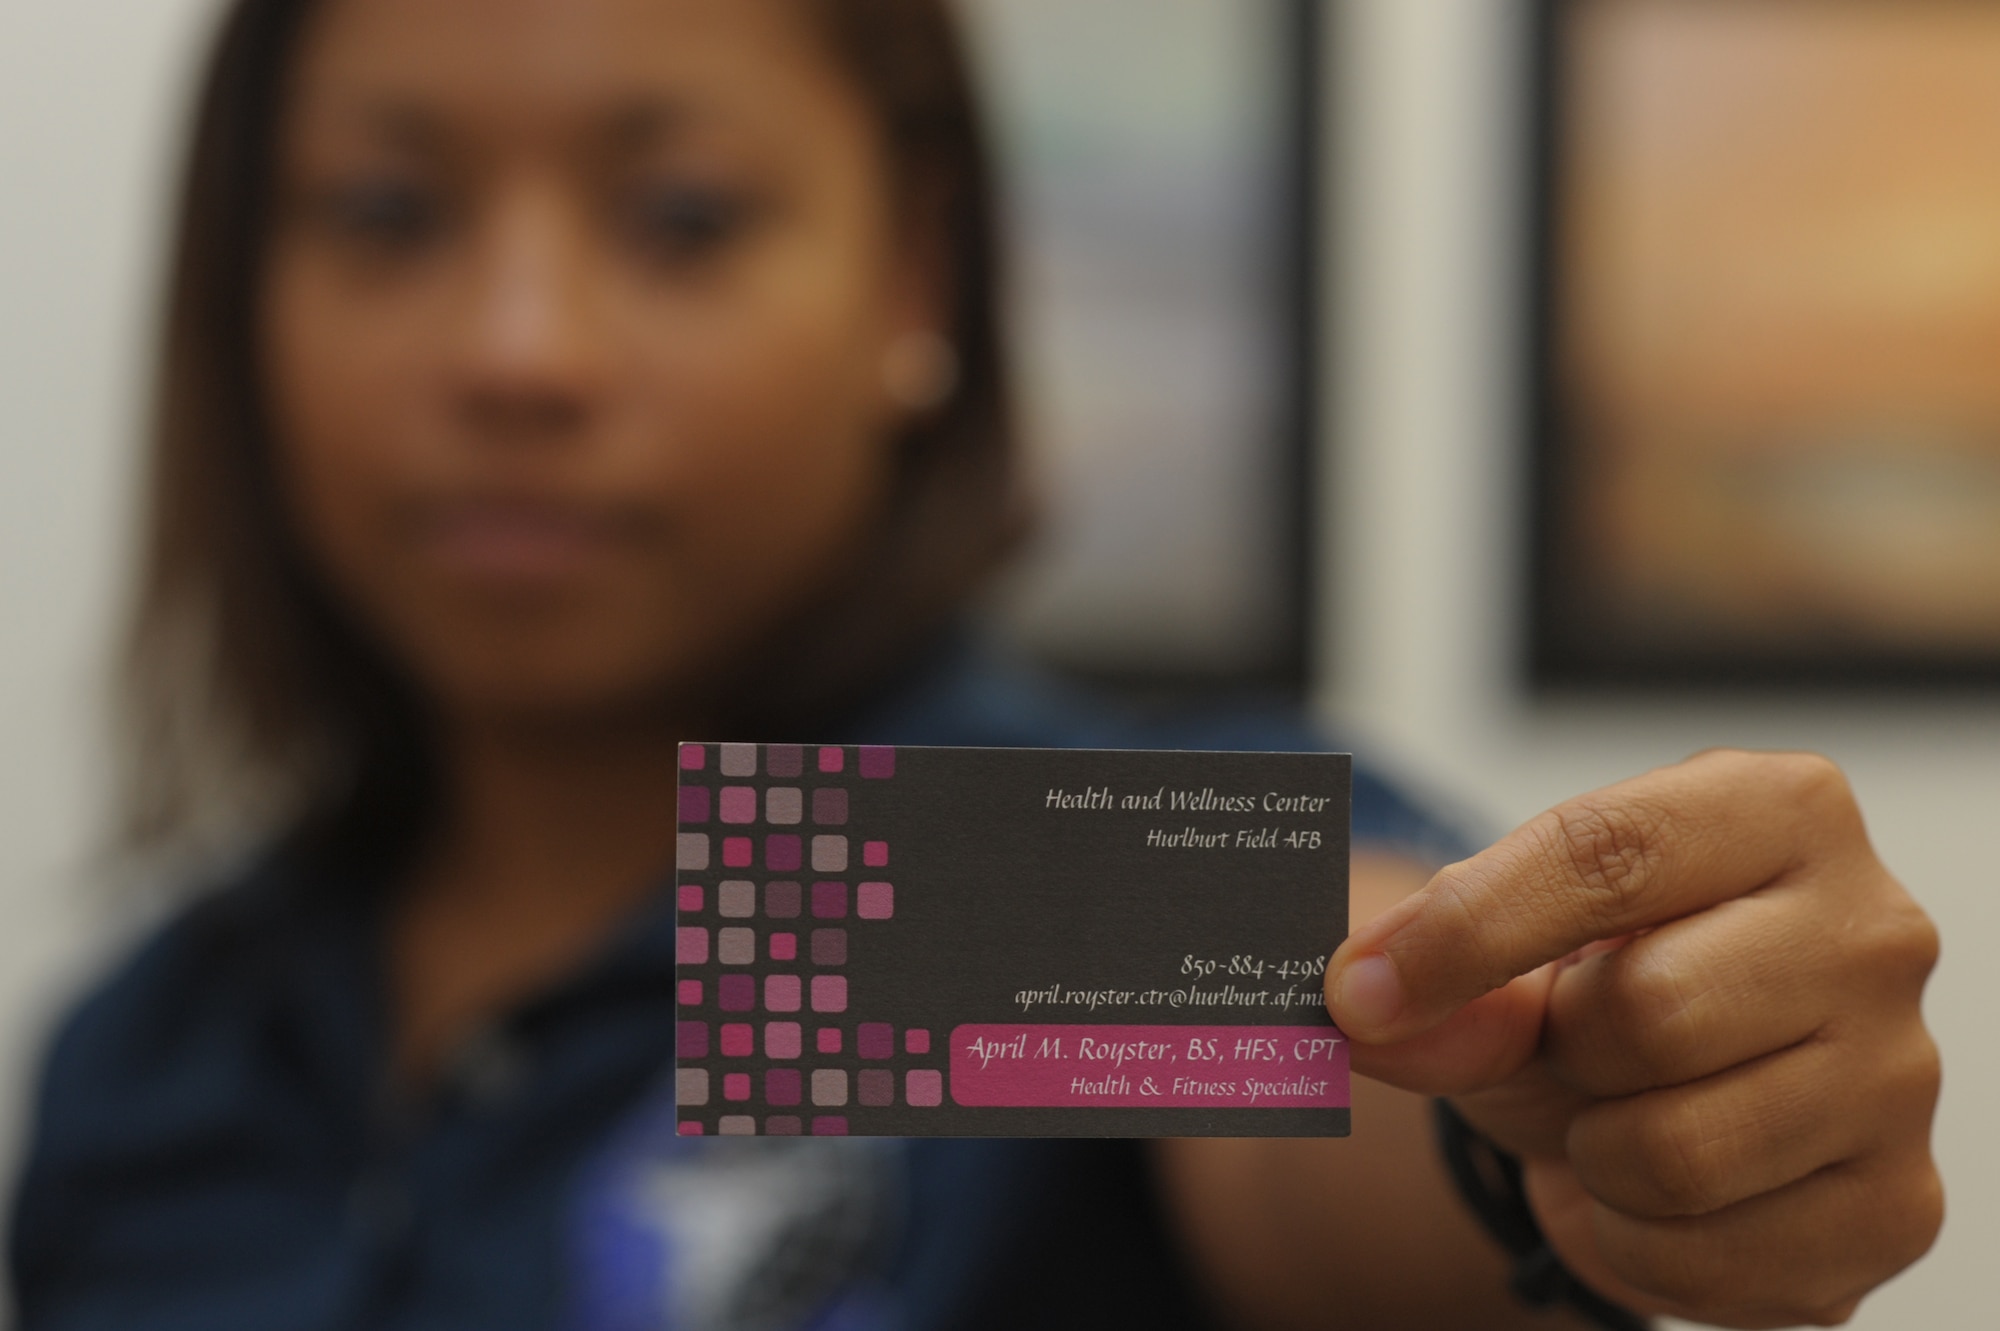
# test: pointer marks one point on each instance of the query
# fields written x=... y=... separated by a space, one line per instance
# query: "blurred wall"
x=1422 y=491
x=1426 y=472
x=90 y=96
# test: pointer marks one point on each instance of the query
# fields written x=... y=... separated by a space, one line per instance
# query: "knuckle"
x=1911 y=1075
x=1816 y=780
x=1612 y=849
x=1918 y=1220
x=1900 y=944
x=1675 y=1160
x=1654 y=1016
x=1902 y=1223
x=1815 y=791
x=1918 y=942
x=1929 y=1073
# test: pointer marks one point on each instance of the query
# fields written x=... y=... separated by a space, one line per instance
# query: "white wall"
x=90 y=94
x=1423 y=495
x=1424 y=492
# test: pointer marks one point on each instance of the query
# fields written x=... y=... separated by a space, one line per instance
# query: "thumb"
x=1488 y=1041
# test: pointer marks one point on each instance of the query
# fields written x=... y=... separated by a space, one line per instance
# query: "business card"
x=1009 y=942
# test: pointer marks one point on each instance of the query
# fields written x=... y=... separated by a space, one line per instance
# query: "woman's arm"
x=1361 y=1231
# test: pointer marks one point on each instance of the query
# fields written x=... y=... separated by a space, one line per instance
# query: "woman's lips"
x=516 y=543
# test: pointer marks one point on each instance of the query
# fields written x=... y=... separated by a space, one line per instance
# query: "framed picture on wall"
x=1766 y=344
x=1159 y=159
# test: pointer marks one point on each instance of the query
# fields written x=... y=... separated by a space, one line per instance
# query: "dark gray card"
x=1009 y=942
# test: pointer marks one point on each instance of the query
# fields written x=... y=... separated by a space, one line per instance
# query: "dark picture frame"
x=1808 y=518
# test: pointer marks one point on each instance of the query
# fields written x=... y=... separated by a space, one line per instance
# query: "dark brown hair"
x=250 y=696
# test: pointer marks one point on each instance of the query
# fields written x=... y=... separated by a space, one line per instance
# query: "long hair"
x=252 y=703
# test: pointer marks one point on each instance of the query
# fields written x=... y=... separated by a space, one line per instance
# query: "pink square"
x=691 y=897
x=923 y=1088
x=736 y=852
x=689 y=1129
x=694 y=757
x=916 y=1041
x=781 y=993
x=875 y=1039
x=830 y=1125
x=691 y=945
x=689 y=994
x=782 y=1039
x=736 y=1040
x=875 y=854
x=784 y=947
x=878 y=762
x=694 y=804
x=830 y=806
x=736 y=1086
x=877 y=1088
x=783 y=1086
x=829 y=993
x=739 y=804
x=829 y=901
x=831 y=759
x=875 y=901
x=829 y=1040
x=783 y=852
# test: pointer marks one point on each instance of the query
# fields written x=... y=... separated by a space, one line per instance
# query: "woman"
x=533 y=368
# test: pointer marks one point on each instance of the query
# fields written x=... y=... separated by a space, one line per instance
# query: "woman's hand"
x=1690 y=1003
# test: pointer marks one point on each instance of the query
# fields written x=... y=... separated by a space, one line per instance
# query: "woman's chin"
x=553 y=689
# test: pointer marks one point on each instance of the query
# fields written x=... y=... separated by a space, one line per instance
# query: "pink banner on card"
x=1138 y=1067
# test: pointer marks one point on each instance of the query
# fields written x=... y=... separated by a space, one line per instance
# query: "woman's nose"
x=531 y=352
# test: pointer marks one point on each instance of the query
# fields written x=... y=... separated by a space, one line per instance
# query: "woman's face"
x=574 y=325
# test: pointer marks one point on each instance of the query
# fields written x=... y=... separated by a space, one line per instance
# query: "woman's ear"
x=920 y=371
x=920 y=364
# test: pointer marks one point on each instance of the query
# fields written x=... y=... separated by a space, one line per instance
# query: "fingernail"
x=1369 y=995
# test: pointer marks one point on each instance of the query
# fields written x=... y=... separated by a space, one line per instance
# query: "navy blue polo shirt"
x=216 y=1144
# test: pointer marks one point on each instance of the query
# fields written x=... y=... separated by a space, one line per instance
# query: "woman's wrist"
x=1489 y=1180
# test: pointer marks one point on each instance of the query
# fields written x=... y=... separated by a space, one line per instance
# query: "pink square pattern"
x=763 y=795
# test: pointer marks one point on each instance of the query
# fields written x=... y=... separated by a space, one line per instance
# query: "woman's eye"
x=389 y=216
x=681 y=224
